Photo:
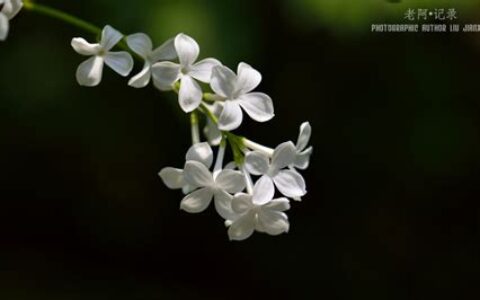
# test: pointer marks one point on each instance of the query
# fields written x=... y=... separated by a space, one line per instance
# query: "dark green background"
x=392 y=210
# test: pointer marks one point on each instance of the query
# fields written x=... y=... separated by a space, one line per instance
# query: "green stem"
x=62 y=16
x=195 y=129
x=72 y=20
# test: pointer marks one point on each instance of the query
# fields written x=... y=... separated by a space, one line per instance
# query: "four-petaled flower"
x=8 y=10
x=235 y=89
x=166 y=73
x=218 y=185
x=302 y=155
x=89 y=73
x=289 y=182
x=174 y=178
x=141 y=44
x=258 y=212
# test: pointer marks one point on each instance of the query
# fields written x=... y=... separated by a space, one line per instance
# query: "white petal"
x=290 y=183
x=110 y=37
x=241 y=203
x=242 y=228
x=165 y=52
x=256 y=163
x=201 y=152
x=283 y=156
x=141 y=79
x=258 y=106
x=13 y=9
x=230 y=181
x=120 y=62
x=279 y=204
x=197 y=201
x=4 y=26
x=190 y=95
x=273 y=222
x=230 y=166
x=203 y=69
x=173 y=178
x=248 y=78
x=187 y=49
x=304 y=136
x=140 y=43
x=89 y=72
x=302 y=159
x=165 y=74
x=231 y=116
x=197 y=174
x=263 y=191
x=223 y=81
x=81 y=46
x=223 y=205
x=212 y=133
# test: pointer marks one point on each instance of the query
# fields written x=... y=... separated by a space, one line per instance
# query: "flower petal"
x=223 y=205
x=197 y=174
x=283 y=156
x=165 y=74
x=230 y=181
x=13 y=9
x=273 y=222
x=89 y=72
x=81 y=46
x=201 y=152
x=290 y=183
x=242 y=228
x=248 y=79
x=203 y=69
x=172 y=177
x=263 y=191
x=187 y=49
x=231 y=116
x=241 y=203
x=120 y=62
x=140 y=43
x=258 y=106
x=256 y=163
x=141 y=79
x=190 y=95
x=279 y=204
x=304 y=136
x=197 y=201
x=4 y=27
x=165 y=52
x=212 y=133
x=223 y=81
x=302 y=159
x=110 y=37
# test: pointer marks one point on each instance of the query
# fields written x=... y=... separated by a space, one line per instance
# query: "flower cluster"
x=8 y=10
x=251 y=193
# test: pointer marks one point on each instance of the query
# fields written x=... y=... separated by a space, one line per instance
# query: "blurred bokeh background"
x=392 y=210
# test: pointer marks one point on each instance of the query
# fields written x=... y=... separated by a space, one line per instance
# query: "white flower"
x=166 y=73
x=89 y=73
x=289 y=182
x=141 y=44
x=218 y=185
x=235 y=90
x=211 y=131
x=302 y=155
x=8 y=10
x=174 y=178
x=258 y=212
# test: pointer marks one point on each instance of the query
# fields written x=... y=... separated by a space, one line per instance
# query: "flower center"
x=102 y=52
x=185 y=70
